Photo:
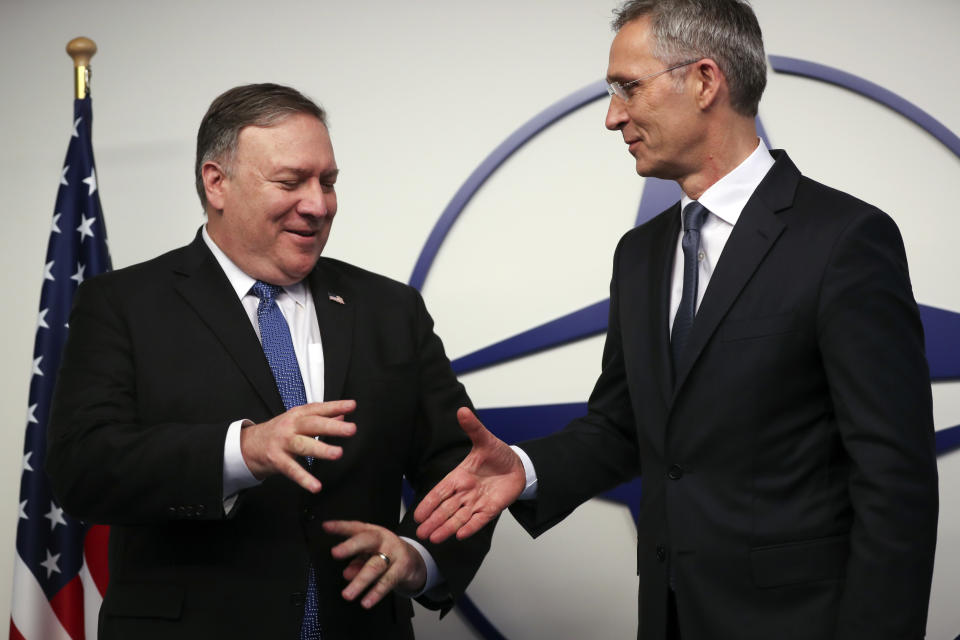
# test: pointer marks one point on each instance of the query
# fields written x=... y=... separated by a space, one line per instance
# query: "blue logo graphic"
x=941 y=327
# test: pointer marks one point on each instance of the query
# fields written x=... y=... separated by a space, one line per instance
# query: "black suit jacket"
x=161 y=358
x=789 y=475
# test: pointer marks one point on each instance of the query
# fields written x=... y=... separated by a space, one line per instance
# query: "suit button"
x=297 y=599
x=309 y=515
x=675 y=472
x=661 y=553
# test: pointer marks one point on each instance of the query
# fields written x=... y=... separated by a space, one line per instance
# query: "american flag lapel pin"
x=335 y=298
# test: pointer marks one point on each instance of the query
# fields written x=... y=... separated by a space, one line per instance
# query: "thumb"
x=474 y=429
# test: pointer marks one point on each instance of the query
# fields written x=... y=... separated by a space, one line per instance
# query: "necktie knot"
x=265 y=291
x=694 y=215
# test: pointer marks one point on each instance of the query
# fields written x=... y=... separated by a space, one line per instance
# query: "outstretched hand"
x=489 y=479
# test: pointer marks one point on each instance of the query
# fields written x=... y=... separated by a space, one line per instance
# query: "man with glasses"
x=764 y=372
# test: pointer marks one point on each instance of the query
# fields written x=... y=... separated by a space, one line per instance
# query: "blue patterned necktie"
x=278 y=347
x=694 y=215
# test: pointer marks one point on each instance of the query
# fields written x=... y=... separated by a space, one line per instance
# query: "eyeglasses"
x=622 y=89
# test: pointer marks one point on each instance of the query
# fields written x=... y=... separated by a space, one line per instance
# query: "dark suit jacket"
x=789 y=476
x=160 y=360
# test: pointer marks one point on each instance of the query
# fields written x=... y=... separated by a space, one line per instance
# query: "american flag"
x=60 y=568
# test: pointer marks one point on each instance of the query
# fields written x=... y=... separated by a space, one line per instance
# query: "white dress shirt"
x=725 y=200
x=296 y=305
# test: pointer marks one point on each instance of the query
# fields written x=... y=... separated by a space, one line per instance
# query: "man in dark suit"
x=764 y=371
x=226 y=467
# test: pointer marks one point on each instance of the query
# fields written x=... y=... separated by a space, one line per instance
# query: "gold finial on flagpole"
x=81 y=50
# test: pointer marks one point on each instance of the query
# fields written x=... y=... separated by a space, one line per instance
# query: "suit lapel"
x=642 y=296
x=336 y=307
x=207 y=290
x=664 y=255
x=754 y=234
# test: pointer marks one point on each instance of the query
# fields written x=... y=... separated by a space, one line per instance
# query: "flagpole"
x=60 y=568
x=81 y=50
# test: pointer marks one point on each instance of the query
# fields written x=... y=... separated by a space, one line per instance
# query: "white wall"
x=419 y=93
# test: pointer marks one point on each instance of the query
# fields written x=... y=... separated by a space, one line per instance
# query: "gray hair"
x=252 y=105
x=726 y=31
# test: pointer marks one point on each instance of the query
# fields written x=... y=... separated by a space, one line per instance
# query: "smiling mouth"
x=303 y=234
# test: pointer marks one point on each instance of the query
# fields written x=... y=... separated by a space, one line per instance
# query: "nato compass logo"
x=942 y=327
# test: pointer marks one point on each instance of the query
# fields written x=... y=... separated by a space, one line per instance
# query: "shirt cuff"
x=236 y=475
x=434 y=578
x=530 y=490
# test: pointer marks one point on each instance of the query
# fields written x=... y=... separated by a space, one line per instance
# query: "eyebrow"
x=300 y=172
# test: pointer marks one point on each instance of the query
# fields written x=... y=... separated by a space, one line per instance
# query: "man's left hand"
x=370 y=572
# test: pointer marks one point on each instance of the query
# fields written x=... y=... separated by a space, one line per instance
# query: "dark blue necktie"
x=694 y=215
x=278 y=347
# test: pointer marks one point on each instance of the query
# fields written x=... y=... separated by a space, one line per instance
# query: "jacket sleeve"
x=105 y=464
x=872 y=345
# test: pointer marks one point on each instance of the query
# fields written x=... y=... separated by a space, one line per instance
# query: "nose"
x=616 y=114
x=314 y=201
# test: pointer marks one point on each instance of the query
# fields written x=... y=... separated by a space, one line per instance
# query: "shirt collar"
x=727 y=197
x=240 y=281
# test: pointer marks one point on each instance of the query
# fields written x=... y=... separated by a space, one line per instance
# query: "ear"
x=710 y=82
x=214 y=178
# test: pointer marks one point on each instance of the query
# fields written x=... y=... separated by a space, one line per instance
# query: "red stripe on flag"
x=68 y=607
x=14 y=632
x=95 y=551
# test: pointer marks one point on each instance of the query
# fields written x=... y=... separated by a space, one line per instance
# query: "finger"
x=441 y=514
x=374 y=569
x=471 y=425
x=330 y=408
x=476 y=522
x=380 y=588
x=292 y=469
x=366 y=542
x=456 y=522
x=352 y=569
x=444 y=531
x=301 y=445
x=313 y=425
x=344 y=527
x=437 y=496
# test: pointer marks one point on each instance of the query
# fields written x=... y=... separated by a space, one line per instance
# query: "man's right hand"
x=488 y=481
x=272 y=447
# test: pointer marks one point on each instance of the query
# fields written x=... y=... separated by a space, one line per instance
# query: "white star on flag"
x=48 y=271
x=36 y=366
x=63 y=176
x=23 y=511
x=53 y=227
x=50 y=564
x=91 y=181
x=42 y=319
x=26 y=460
x=78 y=276
x=85 y=223
x=31 y=417
x=76 y=124
x=55 y=516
